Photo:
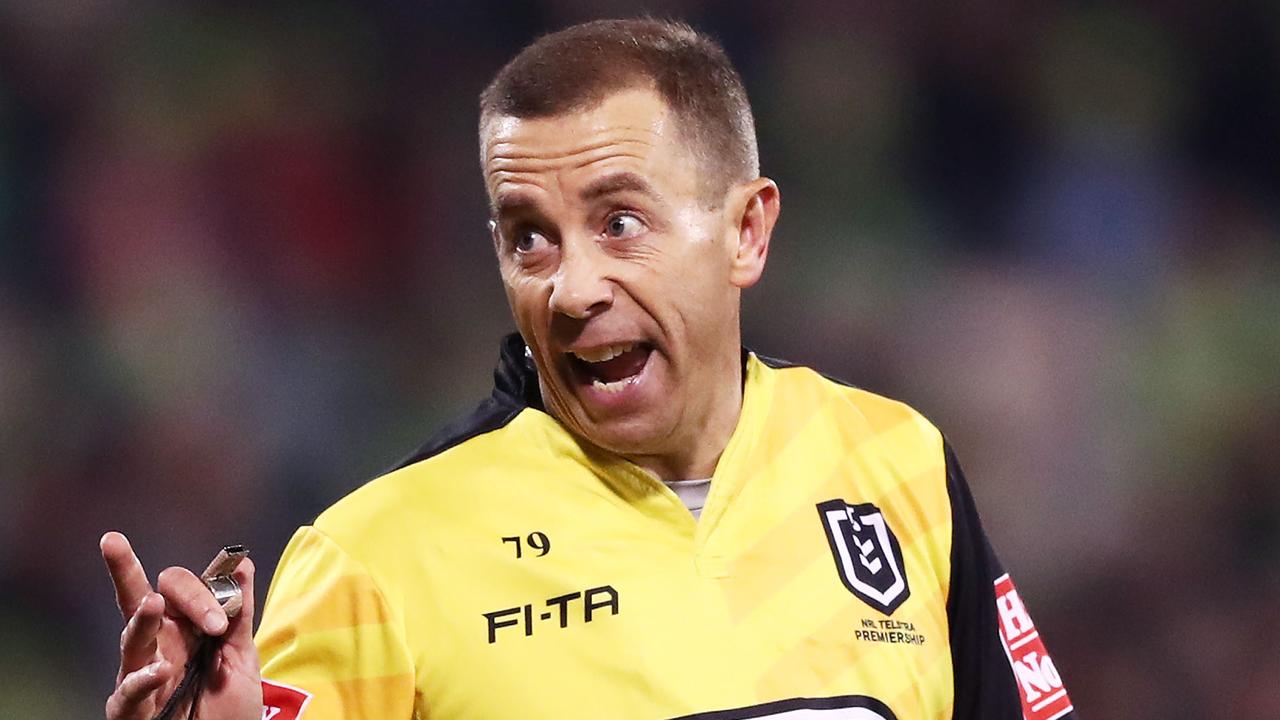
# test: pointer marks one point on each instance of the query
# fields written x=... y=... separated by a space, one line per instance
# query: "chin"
x=626 y=436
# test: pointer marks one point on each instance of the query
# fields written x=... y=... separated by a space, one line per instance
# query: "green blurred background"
x=244 y=268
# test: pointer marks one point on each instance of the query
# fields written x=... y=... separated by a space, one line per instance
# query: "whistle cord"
x=192 y=683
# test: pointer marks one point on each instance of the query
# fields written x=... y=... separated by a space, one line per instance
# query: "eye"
x=623 y=225
x=528 y=240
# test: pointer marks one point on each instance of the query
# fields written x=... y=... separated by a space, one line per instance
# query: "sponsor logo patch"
x=283 y=702
x=1040 y=685
x=866 y=552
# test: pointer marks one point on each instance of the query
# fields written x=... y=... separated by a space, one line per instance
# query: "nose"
x=581 y=288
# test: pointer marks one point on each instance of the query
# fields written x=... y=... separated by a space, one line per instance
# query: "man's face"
x=618 y=273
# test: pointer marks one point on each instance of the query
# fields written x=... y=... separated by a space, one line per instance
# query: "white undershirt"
x=693 y=493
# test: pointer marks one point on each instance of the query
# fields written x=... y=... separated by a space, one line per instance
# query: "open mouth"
x=611 y=368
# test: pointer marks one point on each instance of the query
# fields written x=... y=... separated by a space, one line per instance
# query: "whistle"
x=217 y=577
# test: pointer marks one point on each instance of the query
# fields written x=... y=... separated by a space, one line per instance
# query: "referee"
x=644 y=519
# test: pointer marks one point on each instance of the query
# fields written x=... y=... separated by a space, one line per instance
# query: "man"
x=643 y=520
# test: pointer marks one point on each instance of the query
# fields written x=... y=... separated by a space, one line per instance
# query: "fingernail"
x=215 y=621
x=153 y=668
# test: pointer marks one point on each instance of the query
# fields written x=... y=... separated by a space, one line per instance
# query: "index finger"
x=241 y=630
x=127 y=575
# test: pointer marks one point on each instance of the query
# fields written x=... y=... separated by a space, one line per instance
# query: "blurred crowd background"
x=244 y=268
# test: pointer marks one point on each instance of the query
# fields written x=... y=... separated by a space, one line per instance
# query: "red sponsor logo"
x=1043 y=696
x=283 y=702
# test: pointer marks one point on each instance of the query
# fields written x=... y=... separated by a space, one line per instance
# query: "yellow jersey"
x=512 y=570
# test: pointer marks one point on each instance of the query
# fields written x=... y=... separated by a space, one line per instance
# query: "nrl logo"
x=866 y=553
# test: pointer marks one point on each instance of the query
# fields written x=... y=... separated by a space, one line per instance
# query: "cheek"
x=692 y=297
x=702 y=273
x=527 y=298
x=710 y=298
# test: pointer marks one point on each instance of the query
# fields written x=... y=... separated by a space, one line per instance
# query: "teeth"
x=613 y=387
x=600 y=354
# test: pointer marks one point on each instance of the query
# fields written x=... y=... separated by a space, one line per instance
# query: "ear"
x=758 y=209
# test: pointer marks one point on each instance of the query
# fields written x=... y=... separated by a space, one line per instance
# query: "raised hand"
x=162 y=630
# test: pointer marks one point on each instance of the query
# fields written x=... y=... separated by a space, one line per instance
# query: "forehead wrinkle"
x=535 y=175
x=609 y=183
x=529 y=144
x=601 y=157
x=527 y=149
x=572 y=160
x=539 y=155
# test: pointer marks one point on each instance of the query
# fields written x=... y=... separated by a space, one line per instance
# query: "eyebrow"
x=512 y=204
x=617 y=183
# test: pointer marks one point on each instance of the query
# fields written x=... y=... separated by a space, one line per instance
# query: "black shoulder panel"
x=984 y=682
x=986 y=686
x=515 y=387
x=778 y=364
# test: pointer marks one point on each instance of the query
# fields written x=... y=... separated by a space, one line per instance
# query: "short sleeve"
x=329 y=643
x=1001 y=668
